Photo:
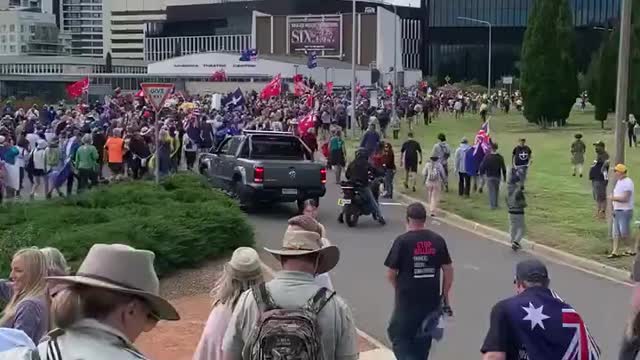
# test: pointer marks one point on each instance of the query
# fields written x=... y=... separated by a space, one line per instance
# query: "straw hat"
x=123 y=269
x=299 y=240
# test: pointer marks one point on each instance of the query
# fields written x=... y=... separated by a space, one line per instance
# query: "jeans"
x=464 y=184
x=493 y=186
x=622 y=223
x=522 y=172
x=633 y=141
x=191 y=159
x=516 y=227
x=388 y=181
x=371 y=201
x=478 y=182
x=86 y=179
x=406 y=342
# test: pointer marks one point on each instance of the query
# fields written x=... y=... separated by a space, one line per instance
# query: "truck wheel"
x=350 y=215
x=245 y=204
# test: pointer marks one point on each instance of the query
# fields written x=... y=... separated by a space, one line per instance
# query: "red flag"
x=78 y=88
x=306 y=123
x=330 y=88
x=299 y=87
x=219 y=75
x=310 y=100
x=389 y=90
x=273 y=88
x=140 y=93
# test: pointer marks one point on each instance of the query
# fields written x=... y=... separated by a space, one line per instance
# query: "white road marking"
x=470 y=267
x=391 y=203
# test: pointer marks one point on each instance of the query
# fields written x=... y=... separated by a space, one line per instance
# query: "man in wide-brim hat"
x=303 y=255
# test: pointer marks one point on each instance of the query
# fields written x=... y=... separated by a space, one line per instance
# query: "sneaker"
x=580 y=175
x=574 y=174
x=414 y=189
x=381 y=221
x=406 y=186
x=516 y=246
x=480 y=191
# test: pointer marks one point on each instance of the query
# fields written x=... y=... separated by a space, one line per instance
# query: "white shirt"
x=33 y=140
x=622 y=186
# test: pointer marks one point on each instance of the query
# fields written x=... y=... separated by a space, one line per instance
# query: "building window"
x=12 y=38
x=12 y=28
x=12 y=49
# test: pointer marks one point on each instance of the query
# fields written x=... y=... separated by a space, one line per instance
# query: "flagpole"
x=353 y=70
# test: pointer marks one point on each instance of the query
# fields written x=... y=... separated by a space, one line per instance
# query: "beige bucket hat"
x=300 y=240
x=123 y=269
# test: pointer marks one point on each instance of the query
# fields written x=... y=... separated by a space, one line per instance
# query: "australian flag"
x=548 y=328
x=233 y=100
x=249 y=55
x=312 y=60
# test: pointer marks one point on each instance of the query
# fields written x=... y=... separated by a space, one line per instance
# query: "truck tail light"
x=258 y=175
x=323 y=175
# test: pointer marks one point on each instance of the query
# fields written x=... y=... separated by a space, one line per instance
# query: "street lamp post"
x=490 y=43
x=353 y=69
x=395 y=64
x=623 y=77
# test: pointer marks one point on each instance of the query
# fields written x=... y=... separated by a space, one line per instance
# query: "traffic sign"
x=156 y=93
x=507 y=80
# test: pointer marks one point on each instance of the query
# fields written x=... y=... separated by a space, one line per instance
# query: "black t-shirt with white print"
x=418 y=257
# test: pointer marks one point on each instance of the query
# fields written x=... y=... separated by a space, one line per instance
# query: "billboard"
x=314 y=34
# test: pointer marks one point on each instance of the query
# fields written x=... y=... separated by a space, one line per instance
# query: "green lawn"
x=561 y=207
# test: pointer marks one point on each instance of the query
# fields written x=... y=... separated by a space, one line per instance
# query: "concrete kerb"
x=502 y=237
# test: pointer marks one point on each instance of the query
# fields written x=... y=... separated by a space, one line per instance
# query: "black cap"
x=532 y=270
x=599 y=143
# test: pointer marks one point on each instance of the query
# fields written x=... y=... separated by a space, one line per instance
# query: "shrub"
x=183 y=220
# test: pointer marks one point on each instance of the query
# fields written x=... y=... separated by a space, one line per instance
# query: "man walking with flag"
x=536 y=324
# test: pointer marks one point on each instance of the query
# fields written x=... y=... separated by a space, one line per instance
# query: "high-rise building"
x=24 y=32
x=88 y=23
x=128 y=21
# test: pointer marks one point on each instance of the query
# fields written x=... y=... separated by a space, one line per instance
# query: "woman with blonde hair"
x=25 y=295
x=242 y=272
x=56 y=263
x=100 y=312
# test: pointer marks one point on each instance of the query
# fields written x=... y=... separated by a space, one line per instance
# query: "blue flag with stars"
x=249 y=55
x=312 y=60
x=233 y=100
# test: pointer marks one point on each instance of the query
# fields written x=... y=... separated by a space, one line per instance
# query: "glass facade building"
x=459 y=48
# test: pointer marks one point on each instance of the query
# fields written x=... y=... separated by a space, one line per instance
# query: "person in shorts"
x=622 y=203
x=410 y=157
x=414 y=264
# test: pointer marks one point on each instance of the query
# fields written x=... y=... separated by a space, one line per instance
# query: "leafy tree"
x=549 y=73
x=605 y=80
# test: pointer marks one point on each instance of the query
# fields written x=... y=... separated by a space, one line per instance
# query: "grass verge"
x=561 y=207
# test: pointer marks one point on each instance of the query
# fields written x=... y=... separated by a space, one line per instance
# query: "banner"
x=314 y=35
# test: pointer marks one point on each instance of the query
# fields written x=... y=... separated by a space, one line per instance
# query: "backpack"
x=287 y=333
x=445 y=152
x=52 y=158
x=432 y=172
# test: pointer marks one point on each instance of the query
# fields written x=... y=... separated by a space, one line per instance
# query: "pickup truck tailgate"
x=288 y=174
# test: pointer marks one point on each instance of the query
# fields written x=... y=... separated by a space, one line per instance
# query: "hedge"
x=183 y=220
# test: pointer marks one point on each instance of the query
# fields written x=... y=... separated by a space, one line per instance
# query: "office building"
x=24 y=32
x=129 y=19
x=86 y=21
x=459 y=48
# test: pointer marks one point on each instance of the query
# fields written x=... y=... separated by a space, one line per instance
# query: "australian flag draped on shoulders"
x=547 y=328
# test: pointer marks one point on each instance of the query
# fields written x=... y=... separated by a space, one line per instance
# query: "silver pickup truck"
x=265 y=167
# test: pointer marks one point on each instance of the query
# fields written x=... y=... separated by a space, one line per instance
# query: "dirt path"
x=188 y=290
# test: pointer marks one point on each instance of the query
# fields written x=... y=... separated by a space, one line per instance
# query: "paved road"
x=484 y=274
